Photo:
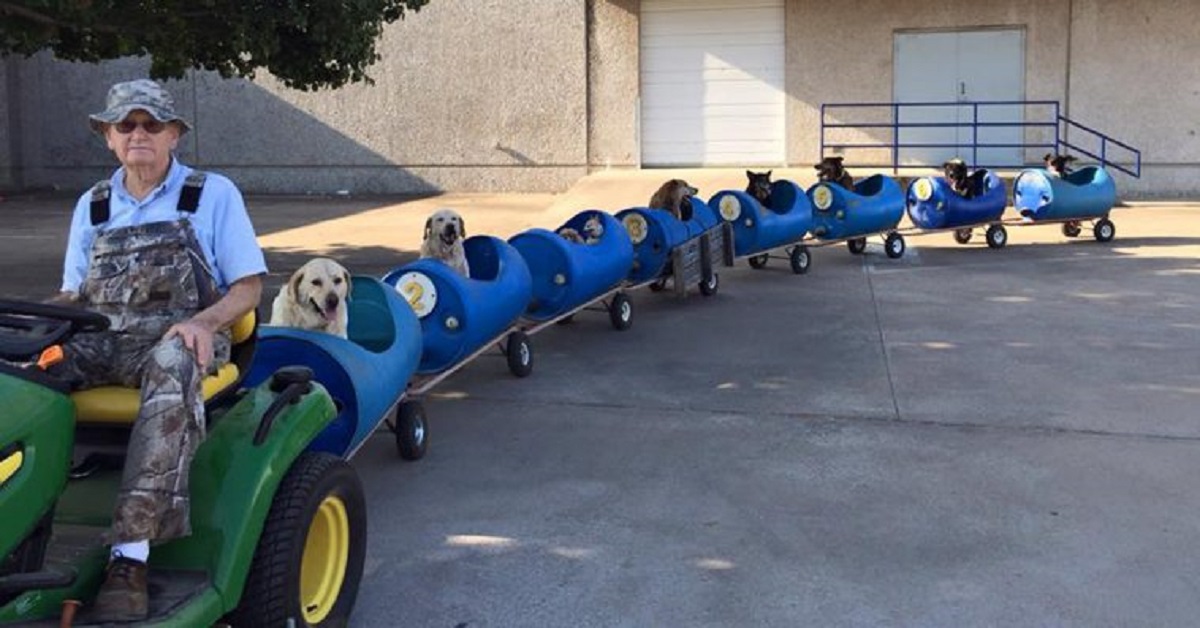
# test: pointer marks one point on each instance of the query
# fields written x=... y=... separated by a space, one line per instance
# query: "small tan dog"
x=671 y=196
x=444 y=233
x=593 y=228
x=314 y=298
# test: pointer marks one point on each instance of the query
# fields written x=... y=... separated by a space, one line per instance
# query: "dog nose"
x=331 y=301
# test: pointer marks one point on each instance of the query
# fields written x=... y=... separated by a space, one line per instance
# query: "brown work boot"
x=123 y=595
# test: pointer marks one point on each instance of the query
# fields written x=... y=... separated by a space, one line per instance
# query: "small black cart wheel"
x=894 y=245
x=412 y=431
x=857 y=245
x=519 y=352
x=1104 y=230
x=1071 y=229
x=997 y=236
x=962 y=236
x=309 y=558
x=709 y=286
x=800 y=259
x=658 y=285
x=620 y=312
x=758 y=261
x=566 y=320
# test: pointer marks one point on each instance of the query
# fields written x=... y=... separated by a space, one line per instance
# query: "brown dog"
x=830 y=170
x=758 y=185
x=672 y=195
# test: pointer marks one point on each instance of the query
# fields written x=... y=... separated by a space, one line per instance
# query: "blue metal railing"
x=1051 y=121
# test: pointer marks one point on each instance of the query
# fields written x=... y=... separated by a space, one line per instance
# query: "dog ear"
x=749 y=175
x=349 y=284
x=294 y=284
x=769 y=173
x=428 y=228
x=462 y=227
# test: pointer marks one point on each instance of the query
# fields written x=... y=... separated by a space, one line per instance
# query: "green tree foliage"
x=307 y=45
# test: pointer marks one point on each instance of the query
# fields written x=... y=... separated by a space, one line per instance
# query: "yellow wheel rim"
x=323 y=566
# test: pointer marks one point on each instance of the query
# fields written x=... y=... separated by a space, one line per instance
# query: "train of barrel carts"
x=278 y=513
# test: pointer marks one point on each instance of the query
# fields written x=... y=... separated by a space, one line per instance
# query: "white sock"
x=137 y=550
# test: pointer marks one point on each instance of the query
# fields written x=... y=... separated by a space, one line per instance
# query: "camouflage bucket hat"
x=130 y=96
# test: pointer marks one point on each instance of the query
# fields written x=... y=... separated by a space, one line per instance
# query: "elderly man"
x=169 y=254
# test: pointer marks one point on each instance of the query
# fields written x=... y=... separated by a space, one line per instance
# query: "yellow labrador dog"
x=314 y=298
x=444 y=233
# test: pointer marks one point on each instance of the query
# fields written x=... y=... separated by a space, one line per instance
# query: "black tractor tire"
x=273 y=594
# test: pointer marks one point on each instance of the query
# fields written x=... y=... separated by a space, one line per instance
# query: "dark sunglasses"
x=151 y=126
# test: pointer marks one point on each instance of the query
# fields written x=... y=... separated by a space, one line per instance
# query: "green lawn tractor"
x=278 y=530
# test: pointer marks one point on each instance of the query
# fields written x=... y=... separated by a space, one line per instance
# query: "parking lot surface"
x=963 y=436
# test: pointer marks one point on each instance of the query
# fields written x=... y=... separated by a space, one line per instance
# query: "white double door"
x=962 y=67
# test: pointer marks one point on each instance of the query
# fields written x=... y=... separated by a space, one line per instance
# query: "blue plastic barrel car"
x=933 y=204
x=758 y=228
x=655 y=233
x=875 y=205
x=458 y=314
x=365 y=374
x=568 y=275
x=1086 y=194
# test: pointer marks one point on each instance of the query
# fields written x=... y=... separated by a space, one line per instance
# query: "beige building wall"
x=1122 y=68
x=614 y=82
x=478 y=95
x=833 y=57
x=529 y=95
x=1135 y=75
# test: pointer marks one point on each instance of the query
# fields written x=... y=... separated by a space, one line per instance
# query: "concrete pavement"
x=959 y=437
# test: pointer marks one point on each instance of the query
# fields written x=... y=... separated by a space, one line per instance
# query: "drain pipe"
x=1067 y=89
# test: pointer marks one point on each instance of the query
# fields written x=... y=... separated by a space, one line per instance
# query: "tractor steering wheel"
x=27 y=328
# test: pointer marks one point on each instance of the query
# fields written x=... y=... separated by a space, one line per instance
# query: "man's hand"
x=197 y=337
x=197 y=333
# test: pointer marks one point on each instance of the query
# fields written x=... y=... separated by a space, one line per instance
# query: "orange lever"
x=50 y=356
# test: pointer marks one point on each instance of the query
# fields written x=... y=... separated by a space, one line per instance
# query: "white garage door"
x=712 y=82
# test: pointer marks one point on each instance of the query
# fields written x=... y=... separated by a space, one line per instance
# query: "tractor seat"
x=118 y=405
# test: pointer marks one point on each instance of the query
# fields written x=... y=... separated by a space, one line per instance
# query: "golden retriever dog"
x=444 y=233
x=314 y=298
x=593 y=228
x=672 y=195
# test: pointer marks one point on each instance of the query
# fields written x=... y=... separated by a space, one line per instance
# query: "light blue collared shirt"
x=221 y=224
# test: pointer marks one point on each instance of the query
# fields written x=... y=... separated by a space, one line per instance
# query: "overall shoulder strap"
x=189 y=196
x=101 y=197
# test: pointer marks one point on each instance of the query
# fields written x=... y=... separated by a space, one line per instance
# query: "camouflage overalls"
x=146 y=278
